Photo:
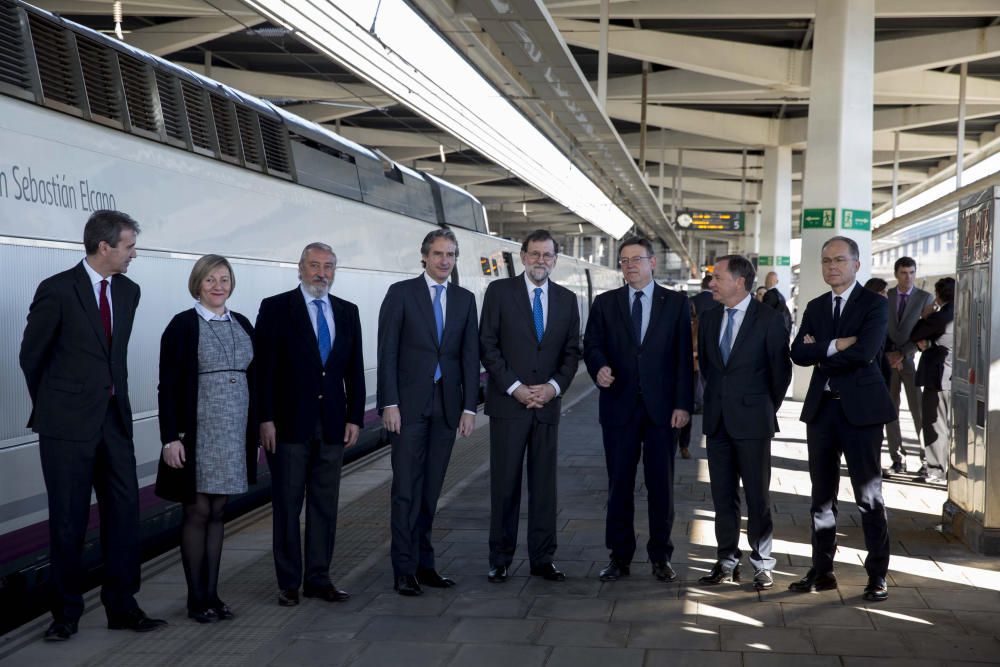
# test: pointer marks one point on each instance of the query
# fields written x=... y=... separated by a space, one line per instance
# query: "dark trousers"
x=829 y=436
x=903 y=380
x=420 y=455
x=297 y=466
x=510 y=439
x=936 y=413
x=730 y=460
x=71 y=469
x=623 y=446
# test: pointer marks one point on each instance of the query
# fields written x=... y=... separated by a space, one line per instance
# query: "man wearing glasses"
x=638 y=350
x=529 y=341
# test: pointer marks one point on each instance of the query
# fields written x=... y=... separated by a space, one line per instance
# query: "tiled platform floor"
x=943 y=609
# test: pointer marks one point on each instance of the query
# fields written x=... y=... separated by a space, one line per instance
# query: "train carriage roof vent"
x=249 y=135
x=13 y=61
x=275 y=139
x=171 y=106
x=100 y=79
x=57 y=64
x=225 y=127
x=197 y=115
x=138 y=85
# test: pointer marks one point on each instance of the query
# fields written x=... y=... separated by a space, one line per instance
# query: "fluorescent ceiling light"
x=411 y=62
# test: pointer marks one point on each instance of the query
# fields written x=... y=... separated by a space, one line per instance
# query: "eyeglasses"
x=534 y=256
x=626 y=261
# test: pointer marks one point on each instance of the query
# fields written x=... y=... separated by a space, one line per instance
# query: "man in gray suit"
x=906 y=303
x=428 y=386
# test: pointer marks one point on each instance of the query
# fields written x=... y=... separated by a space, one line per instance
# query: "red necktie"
x=106 y=311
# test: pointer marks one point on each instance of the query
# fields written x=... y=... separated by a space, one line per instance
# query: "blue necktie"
x=536 y=310
x=726 y=345
x=637 y=316
x=439 y=322
x=322 y=331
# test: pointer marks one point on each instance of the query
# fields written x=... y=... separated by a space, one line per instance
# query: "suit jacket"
x=899 y=330
x=177 y=399
x=930 y=370
x=661 y=367
x=745 y=394
x=703 y=301
x=776 y=300
x=510 y=351
x=67 y=363
x=295 y=389
x=854 y=373
x=408 y=350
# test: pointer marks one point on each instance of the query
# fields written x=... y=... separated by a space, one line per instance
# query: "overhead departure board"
x=715 y=221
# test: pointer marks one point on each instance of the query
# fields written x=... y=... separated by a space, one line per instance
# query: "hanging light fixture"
x=116 y=14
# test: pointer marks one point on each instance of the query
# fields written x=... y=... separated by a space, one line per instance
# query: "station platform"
x=943 y=608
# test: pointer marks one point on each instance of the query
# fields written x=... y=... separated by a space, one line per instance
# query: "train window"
x=172 y=108
x=457 y=208
x=225 y=127
x=15 y=73
x=325 y=168
x=937 y=243
x=484 y=262
x=57 y=65
x=101 y=79
x=137 y=83
x=199 y=121
x=508 y=259
x=496 y=270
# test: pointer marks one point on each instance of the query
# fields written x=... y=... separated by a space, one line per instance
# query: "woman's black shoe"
x=203 y=615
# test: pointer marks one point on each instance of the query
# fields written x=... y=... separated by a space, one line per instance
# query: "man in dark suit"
x=311 y=405
x=744 y=361
x=846 y=405
x=529 y=341
x=428 y=386
x=906 y=303
x=776 y=300
x=704 y=300
x=700 y=304
x=74 y=357
x=638 y=350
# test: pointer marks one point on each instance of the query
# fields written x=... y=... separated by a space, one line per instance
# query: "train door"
x=590 y=289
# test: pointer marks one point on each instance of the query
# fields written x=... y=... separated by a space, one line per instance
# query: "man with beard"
x=311 y=403
x=529 y=341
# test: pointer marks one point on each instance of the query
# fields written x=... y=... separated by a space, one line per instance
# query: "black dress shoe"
x=664 y=571
x=433 y=579
x=498 y=574
x=222 y=610
x=135 y=620
x=328 y=593
x=814 y=581
x=614 y=571
x=407 y=585
x=288 y=597
x=721 y=575
x=876 y=590
x=60 y=631
x=206 y=615
x=763 y=580
x=548 y=572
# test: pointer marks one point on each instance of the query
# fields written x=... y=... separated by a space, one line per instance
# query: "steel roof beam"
x=762 y=9
x=165 y=38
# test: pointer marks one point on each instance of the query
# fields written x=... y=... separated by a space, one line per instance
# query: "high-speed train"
x=88 y=123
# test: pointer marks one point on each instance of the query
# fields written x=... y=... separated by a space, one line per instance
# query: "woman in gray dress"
x=206 y=425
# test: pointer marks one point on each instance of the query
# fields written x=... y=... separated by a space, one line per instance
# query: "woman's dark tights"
x=201 y=548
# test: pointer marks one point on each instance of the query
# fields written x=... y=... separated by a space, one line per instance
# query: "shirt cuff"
x=394 y=405
x=555 y=385
x=468 y=412
x=511 y=389
x=831 y=349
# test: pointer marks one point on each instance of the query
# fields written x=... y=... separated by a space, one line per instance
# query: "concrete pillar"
x=837 y=187
x=776 y=217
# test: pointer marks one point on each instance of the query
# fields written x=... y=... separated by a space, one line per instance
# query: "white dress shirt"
x=831 y=349
x=647 y=305
x=738 y=317
x=209 y=316
x=327 y=313
x=544 y=297
x=431 y=284
x=95 y=280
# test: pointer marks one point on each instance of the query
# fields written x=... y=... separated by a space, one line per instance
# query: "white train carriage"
x=87 y=122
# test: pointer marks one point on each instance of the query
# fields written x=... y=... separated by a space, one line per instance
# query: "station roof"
x=724 y=79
